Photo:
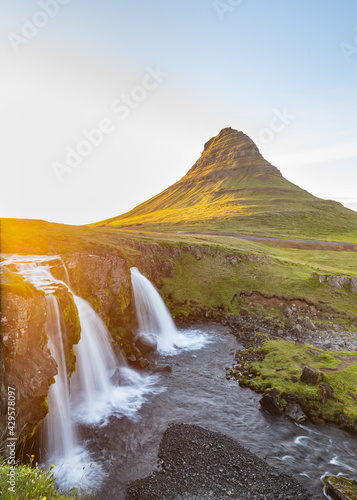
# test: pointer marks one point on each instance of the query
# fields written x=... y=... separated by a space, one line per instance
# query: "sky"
x=105 y=103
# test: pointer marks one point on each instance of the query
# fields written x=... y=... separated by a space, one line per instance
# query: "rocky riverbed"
x=199 y=464
x=302 y=323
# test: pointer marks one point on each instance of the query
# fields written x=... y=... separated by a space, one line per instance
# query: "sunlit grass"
x=30 y=482
x=226 y=191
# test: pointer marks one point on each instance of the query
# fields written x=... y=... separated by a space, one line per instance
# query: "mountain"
x=232 y=188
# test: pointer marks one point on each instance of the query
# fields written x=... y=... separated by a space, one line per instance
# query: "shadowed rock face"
x=311 y=375
x=28 y=366
x=104 y=281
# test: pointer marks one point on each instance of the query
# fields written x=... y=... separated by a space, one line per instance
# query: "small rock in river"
x=146 y=343
x=271 y=402
x=294 y=412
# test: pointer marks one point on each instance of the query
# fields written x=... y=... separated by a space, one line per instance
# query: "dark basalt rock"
x=27 y=364
x=271 y=402
x=146 y=343
x=297 y=330
x=120 y=379
x=311 y=375
x=295 y=413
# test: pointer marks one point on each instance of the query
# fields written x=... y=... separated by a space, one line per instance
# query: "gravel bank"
x=199 y=464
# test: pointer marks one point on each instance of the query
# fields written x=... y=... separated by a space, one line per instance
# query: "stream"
x=197 y=392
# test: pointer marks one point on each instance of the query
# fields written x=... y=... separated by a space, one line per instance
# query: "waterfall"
x=58 y=426
x=154 y=318
x=103 y=385
x=96 y=362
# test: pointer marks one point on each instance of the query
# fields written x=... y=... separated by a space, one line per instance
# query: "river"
x=197 y=392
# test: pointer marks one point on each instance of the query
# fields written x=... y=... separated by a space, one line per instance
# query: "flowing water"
x=96 y=362
x=197 y=392
x=102 y=385
x=118 y=421
x=155 y=319
x=63 y=441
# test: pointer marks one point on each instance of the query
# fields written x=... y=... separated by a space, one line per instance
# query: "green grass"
x=33 y=237
x=210 y=283
x=284 y=360
x=30 y=482
x=213 y=283
x=302 y=221
x=14 y=283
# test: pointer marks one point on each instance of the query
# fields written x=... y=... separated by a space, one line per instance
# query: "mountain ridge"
x=232 y=187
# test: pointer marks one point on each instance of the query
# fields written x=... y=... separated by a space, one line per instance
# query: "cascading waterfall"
x=96 y=362
x=59 y=430
x=154 y=318
x=102 y=385
x=93 y=378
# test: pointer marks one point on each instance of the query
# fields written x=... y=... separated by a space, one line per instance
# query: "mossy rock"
x=71 y=324
x=14 y=283
x=340 y=488
x=280 y=364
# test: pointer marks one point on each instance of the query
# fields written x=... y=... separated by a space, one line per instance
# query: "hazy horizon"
x=148 y=84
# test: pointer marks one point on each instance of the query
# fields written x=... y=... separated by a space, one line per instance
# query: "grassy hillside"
x=281 y=272
x=273 y=272
x=233 y=188
x=38 y=237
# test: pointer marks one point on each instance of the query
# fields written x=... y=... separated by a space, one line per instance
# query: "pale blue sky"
x=240 y=69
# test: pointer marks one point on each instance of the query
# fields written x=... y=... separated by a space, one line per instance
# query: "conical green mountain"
x=232 y=188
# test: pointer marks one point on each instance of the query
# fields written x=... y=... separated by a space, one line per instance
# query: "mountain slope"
x=233 y=188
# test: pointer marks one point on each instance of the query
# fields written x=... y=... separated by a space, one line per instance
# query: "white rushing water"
x=96 y=362
x=103 y=384
x=63 y=440
x=155 y=319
